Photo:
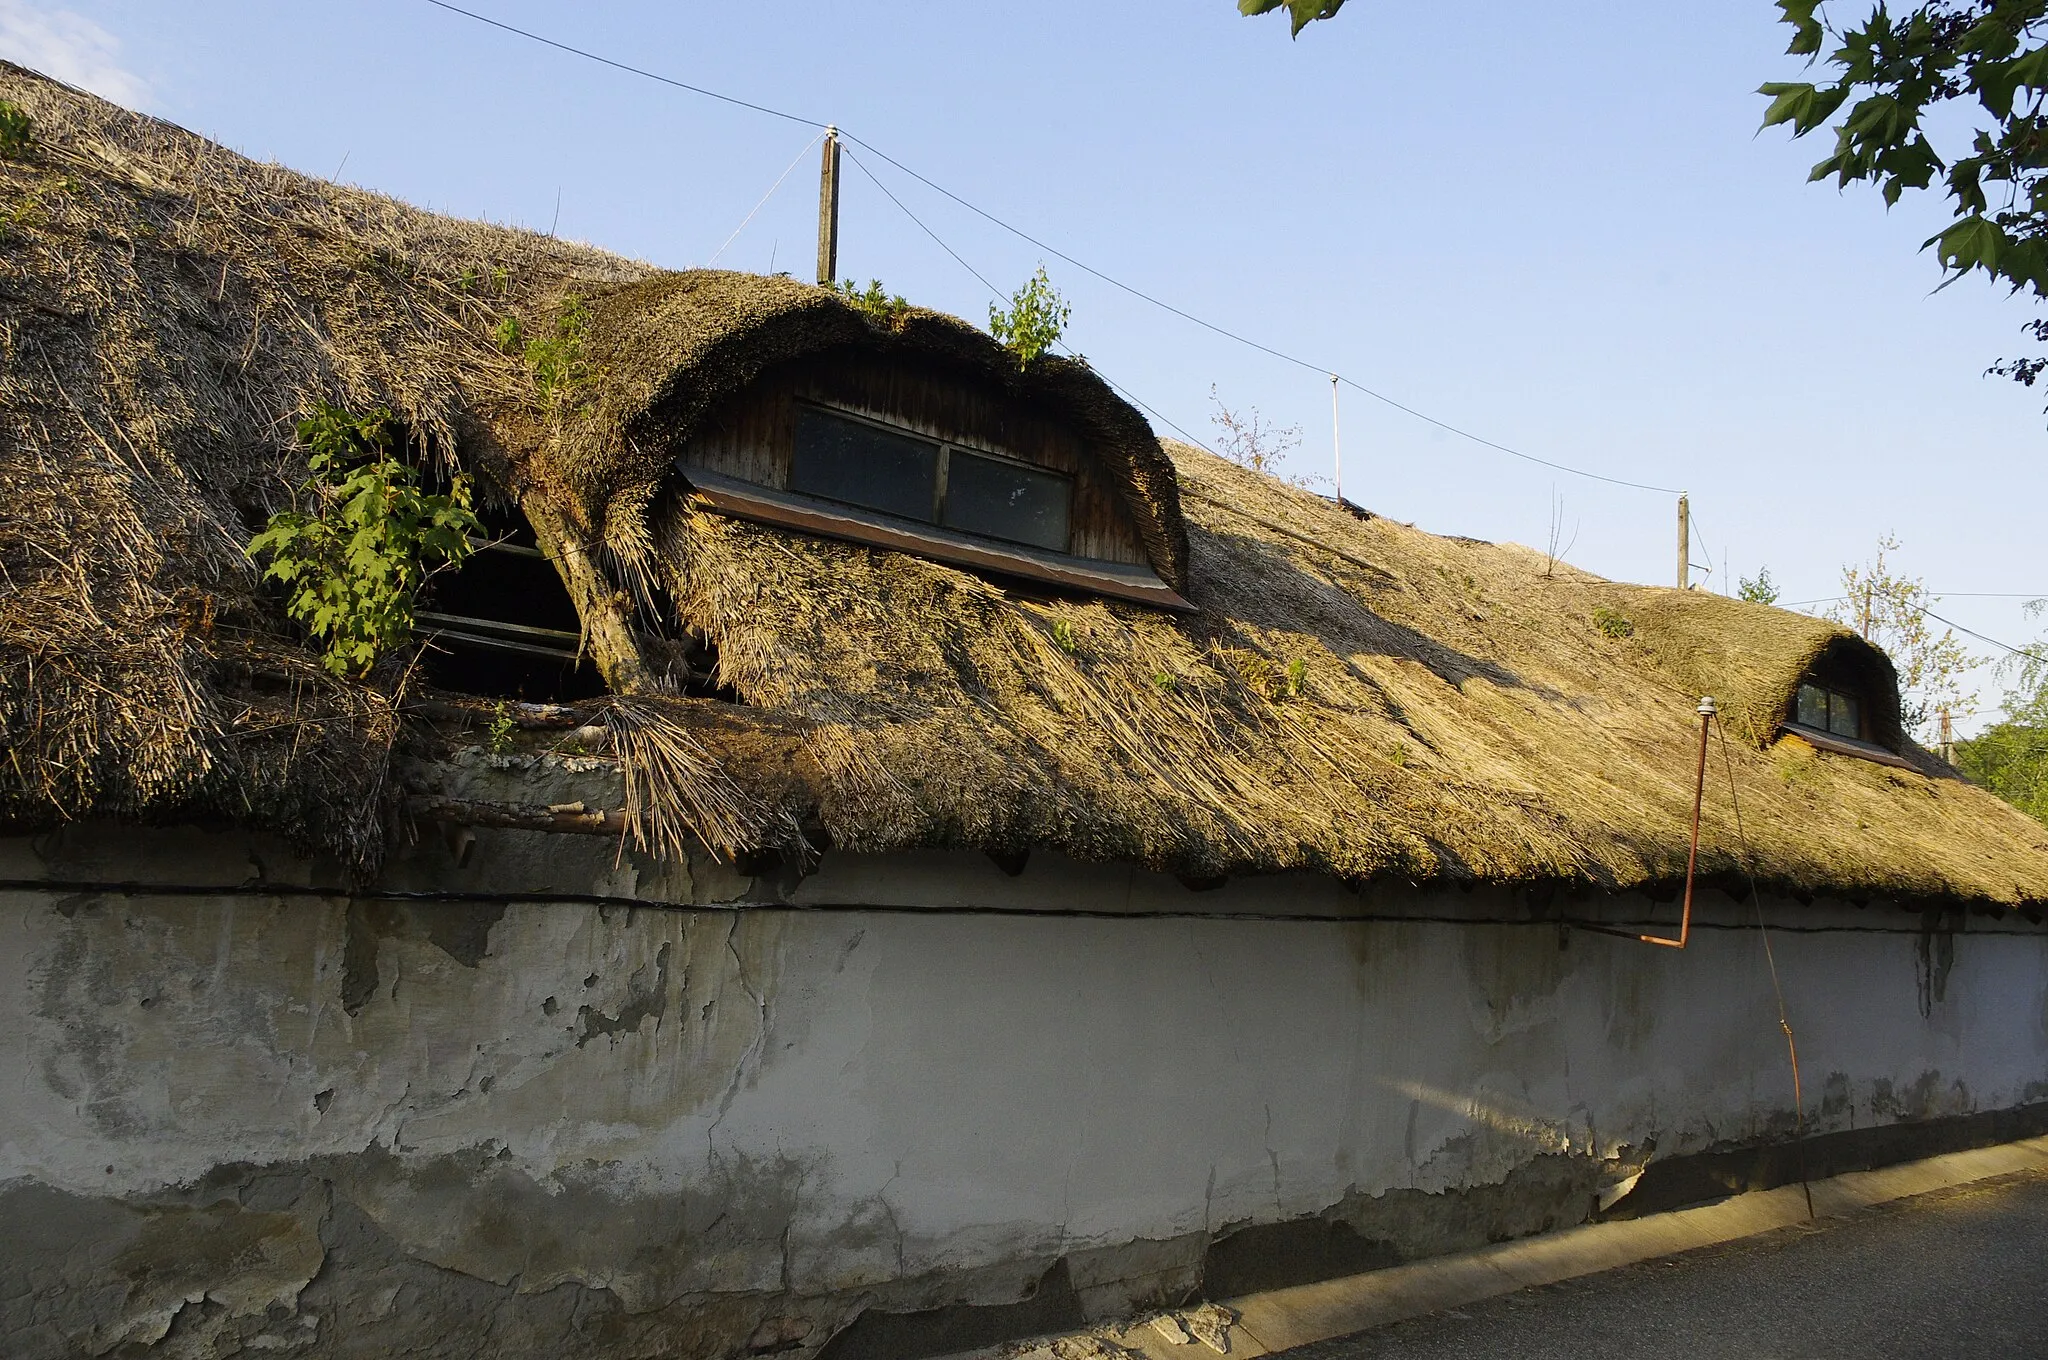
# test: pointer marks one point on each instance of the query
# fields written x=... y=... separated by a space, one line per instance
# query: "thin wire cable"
x=859 y=165
x=1320 y=370
x=764 y=199
x=997 y=294
x=622 y=66
x=1947 y=622
x=1770 y=961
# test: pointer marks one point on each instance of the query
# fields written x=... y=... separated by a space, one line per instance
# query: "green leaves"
x=17 y=133
x=354 y=566
x=1300 y=13
x=1036 y=318
x=1806 y=29
x=1805 y=107
x=1889 y=72
x=873 y=302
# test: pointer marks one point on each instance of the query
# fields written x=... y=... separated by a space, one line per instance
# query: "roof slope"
x=1353 y=696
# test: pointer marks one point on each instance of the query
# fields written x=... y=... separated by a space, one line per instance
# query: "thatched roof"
x=1352 y=696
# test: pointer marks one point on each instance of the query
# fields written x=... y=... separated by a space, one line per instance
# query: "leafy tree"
x=353 y=567
x=1987 y=57
x=2010 y=758
x=1300 y=13
x=1890 y=609
x=1035 y=320
x=1758 y=589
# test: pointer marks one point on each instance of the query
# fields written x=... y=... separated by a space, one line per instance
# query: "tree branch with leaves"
x=1989 y=58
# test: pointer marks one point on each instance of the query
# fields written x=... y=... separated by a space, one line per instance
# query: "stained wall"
x=561 y=1099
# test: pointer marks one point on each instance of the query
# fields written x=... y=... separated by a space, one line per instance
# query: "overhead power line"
x=2028 y=653
x=1055 y=252
x=622 y=66
x=997 y=294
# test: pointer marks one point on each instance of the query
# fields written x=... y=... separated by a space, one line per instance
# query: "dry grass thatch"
x=1353 y=697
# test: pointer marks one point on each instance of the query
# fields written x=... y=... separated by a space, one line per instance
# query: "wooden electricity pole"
x=828 y=209
x=1684 y=542
x=1948 y=740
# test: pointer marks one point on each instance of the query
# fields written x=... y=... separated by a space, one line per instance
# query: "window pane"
x=1813 y=707
x=1842 y=716
x=862 y=464
x=1003 y=500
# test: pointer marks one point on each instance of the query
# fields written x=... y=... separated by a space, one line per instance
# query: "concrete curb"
x=1281 y=1319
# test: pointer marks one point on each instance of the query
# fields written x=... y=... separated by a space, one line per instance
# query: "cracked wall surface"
x=647 y=1123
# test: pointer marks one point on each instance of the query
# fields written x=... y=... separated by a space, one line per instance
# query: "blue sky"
x=1551 y=225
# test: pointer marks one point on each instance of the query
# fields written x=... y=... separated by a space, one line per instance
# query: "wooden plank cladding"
x=751 y=437
x=763 y=505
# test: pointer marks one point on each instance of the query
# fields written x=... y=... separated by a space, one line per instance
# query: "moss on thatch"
x=1353 y=697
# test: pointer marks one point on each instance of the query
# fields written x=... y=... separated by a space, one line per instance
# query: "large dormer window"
x=858 y=461
x=926 y=459
x=1829 y=710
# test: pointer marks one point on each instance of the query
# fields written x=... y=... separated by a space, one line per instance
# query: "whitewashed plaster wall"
x=622 y=1125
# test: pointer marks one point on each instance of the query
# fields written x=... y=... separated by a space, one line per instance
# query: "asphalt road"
x=1960 y=1272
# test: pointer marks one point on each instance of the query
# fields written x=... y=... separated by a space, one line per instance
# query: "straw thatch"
x=1353 y=696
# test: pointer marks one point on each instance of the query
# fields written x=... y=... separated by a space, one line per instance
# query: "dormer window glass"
x=1829 y=710
x=862 y=462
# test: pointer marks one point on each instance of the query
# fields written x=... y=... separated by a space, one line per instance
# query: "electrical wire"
x=1922 y=609
x=764 y=200
x=622 y=66
x=1319 y=369
x=997 y=294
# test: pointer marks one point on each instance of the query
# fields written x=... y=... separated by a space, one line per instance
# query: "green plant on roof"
x=1034 y=322
x=353 y=566
x=17 y=133
x=882 y=308
x=1758 y=589
x=502 y=726
x=554 y=357
x=1613 y=623
x=1063 y=636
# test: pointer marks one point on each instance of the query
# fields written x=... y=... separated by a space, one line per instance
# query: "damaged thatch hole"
x=502 y=625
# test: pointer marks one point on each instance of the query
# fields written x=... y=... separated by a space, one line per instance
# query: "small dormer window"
x=1829 y=710
x=856 y=461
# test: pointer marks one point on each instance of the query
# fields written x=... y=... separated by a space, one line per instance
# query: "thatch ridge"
x=1354 y=697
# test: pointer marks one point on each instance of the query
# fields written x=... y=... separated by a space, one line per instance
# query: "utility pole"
x=828 y=209
x=1684 y=541
x=1948 y=740
x=1336 y=443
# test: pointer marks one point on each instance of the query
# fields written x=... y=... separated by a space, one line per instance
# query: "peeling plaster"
x=640 y=1129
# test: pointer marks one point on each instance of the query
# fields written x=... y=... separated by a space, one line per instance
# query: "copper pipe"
x=1692 y=860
